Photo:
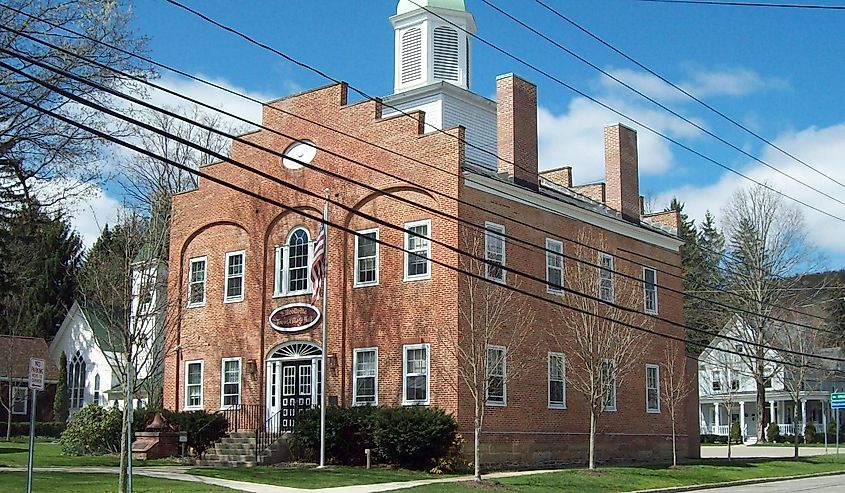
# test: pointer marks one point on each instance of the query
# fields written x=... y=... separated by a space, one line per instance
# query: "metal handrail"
x=244 y=417
x=268 y=433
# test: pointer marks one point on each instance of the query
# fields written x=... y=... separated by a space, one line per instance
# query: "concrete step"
x=224 y=463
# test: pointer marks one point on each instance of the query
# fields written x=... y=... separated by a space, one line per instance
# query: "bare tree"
x=602 y=349
x=801 y=371
x=123 y=286
x=44 y=159
x=494 y=347
x=725 y=380
x=769 y=250
x=676 y=388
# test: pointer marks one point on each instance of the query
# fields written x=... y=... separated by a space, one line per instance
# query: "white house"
x=728 y=392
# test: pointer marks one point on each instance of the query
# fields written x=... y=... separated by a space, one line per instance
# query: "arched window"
x=97 y=389
x=76 y=381
x=446 y=53
x=293 y=261
x=411 y=55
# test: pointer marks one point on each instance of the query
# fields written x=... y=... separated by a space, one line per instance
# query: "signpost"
x=837 y=402
x=36 y=383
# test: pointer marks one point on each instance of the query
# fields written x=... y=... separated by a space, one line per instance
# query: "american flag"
x=318 y=265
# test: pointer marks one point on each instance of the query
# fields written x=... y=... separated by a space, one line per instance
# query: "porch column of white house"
x=717 y=416
x=803 y=417
x=824 y=417
x=772 y=415
x=742 y=418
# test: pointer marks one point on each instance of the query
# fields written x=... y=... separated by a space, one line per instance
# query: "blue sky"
x=778 y=71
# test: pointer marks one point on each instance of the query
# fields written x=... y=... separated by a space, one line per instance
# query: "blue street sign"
x=837 y=400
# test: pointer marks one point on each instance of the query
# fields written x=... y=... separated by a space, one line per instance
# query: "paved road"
x=746 y=452
x=826 y=484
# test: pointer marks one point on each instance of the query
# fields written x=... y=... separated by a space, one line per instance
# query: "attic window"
x=411 y=55
x=445 y=53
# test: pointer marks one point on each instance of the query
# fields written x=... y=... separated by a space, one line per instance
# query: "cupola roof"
x=406 y=6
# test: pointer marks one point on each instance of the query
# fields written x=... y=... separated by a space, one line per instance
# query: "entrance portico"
x=293 y=382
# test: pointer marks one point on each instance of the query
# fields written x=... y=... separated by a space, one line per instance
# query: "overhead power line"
x=341 y=227
x=750 y=4
x=651 y=259
x=351 y=210
x=685 y=92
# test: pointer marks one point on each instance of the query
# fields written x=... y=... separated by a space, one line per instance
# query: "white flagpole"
x=325 y=340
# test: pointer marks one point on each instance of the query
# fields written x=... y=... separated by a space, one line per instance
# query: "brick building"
x=393 y=315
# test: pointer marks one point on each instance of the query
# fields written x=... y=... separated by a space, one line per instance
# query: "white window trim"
x=281 y=280
x=602 y=257
x=187 y=407
x=555 y=405
x=656 y=306
x=549 y=243
x=405 y=349
x=498 y=231
x=613 y=378
x=15 y=389
x=427 y=275
x=226 y=297
x=504 y=402
x=191 y=263
x=357 y=283
x=223 y=381
x=356 y=352
x=657 y=389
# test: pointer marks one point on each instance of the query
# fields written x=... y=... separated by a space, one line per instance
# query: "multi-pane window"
x=366 y=258
x=305 y=379
x=234 y=277
x=196 y=282
x=496 y=374
x=554 y=266
x=415 y=373
x=19 y=400
x=97 y=389
x=365 y=386
x=230 y=395
x=293 y=261
x=652 y=388
x=76 y=381
x=193 y=384
x=557 y=381
x=606 y=277
x=608 y=385
x=494 y=251
x=417 y=250
x=716 y=381
x=650 y=290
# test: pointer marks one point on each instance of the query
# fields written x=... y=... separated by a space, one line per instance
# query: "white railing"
x=786 y=429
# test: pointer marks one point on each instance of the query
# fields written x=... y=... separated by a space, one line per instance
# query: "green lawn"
x=14 y=454
x=98 y=483
x=310 y=477
x=620 y=479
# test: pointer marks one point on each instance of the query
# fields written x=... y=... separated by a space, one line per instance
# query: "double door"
x=293 y=386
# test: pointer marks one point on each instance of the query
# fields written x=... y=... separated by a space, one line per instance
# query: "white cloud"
x=822 y=148
x=92 y=213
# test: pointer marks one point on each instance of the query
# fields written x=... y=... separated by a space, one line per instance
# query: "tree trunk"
x=9 y=412
x=795 y=426
x=124 y=449
x=674 y=444
x=592 y=439
x=477 y=452
x=762 y=412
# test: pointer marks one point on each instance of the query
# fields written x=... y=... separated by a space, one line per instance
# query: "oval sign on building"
x=294 y=317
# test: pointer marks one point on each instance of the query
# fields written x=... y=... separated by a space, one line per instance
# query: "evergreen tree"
x=60 y=400
x=836 y=314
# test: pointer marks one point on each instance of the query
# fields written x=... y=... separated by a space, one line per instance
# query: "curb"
x=741 y=482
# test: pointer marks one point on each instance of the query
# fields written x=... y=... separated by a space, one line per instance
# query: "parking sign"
x=36 y=374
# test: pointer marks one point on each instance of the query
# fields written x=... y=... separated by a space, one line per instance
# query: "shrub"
x=810 y=433
x=773 y=433
x=454 y=461
x=204 y=428
x=60 y=398
x=93 y=430
x=736 y=432
x=349 y=430
x=413 y=437
x=48 y=429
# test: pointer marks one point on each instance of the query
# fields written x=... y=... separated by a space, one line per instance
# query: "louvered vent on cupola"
x=446 y=54
x=411 y=55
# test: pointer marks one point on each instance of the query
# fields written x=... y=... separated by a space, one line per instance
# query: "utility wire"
x=526 y=245
x=338 y=226
x=750 y=4
x=586 y=31
x=351 y=210
x=395 y=177
x=527 y=64
x=670 y=110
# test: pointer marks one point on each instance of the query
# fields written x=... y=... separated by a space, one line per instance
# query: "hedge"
x=410 y=437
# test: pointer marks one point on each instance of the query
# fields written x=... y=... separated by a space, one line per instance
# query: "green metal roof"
x=406 y=6
x=108 y=338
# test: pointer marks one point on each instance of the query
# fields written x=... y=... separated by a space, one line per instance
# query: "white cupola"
x=429 y=49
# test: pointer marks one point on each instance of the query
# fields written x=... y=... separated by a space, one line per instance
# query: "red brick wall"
x=516 y=129
x=559 y=176
x=621 y=170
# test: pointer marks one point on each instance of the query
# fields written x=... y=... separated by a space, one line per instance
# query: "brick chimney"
x=559 y=176
x=516 y=129
x=621 y=171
